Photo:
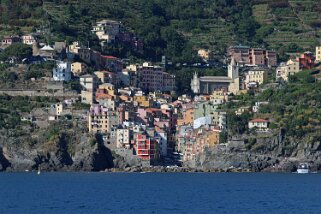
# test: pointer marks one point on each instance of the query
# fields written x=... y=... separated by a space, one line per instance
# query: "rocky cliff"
x=63 y=152
x=267 y=152
x=66 y=151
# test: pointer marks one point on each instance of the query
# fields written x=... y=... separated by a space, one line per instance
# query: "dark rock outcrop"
x=4 y=163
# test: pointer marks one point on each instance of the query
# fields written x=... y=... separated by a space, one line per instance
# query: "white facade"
x=28 y=39
x=108 y=103
x=88 y=82
x=291 y=67
x=59 y=108
x=107 y=30
x=219 y=119
x=256 y=108
x=62 y=71
x=162 y=142
x=202 y=121
x=318 y=54
x=123 y=138
x=255 y=76
x=260 y=124
x=207 y=84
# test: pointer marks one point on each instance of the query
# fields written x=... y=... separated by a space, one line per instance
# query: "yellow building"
x=204 y=54
x=143 y=101
x=108 y=88
x=257 y=76
x=219 y=96
x=101 y=120
x=187 y=117
x=78 y=68
x=59 y=108
x=318 y=53
x=87 y=97
x=212 y=138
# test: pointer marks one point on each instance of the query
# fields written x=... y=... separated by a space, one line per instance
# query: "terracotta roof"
x=257 y=120
x=109 y=57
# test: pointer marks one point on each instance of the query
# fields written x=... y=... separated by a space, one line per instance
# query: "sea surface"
x=160 y=193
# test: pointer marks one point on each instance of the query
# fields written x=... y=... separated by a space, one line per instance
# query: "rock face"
x=4 y=163
x=64 y=152
x=269 y=153
x=58 y=154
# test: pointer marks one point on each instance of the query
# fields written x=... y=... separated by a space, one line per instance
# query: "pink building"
x=154 y=78
x=9 y=40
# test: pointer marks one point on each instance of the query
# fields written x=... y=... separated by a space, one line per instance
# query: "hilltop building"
x=287 y=69
x=107 y=30
x=244 y=55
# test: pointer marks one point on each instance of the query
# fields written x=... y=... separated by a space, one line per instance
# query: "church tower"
x=233 y=70
x=195 y=84
x=233 y=73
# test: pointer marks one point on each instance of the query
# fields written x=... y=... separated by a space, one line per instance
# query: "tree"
x=16 y=50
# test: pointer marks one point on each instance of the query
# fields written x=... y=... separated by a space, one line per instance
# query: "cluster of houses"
x=109 y=31
x=132 y=107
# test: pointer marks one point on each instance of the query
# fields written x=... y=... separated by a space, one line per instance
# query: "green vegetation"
x=295 y=108
x=11 y=107
x=174 y=28
x=81 y=106
x=39 y=70
x=17 y=50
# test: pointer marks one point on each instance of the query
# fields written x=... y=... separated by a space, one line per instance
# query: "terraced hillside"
x=182 y=25
x=295 y=22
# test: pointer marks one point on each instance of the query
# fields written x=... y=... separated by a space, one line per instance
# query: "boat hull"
x=303 y=171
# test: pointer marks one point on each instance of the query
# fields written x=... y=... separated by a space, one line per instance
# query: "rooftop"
x=215 y=79
x=257 y=120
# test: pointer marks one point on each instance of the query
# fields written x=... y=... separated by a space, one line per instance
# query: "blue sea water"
x=159 y=193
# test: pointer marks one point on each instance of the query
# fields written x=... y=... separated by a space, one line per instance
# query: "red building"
x=10 y=40
x=306 y=60
x=111 y=63
x=252 y=56
x=145 y=147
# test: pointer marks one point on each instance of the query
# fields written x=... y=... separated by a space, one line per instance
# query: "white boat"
x=303 y=168
x=39 y=171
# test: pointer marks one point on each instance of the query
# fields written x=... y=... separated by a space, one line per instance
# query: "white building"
x=59 y=108
x=88 y=82
x=318 y=54
x=28 y=39
x=260 y=124
x=108 y=103
x=62 y=71
x=256 y=108
x=291 y=67
x=255 y=76
x=161 y=137
x=123 y=138
x=107 y=30
x=219 y=120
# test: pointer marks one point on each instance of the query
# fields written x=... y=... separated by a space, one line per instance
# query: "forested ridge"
x=175 y=28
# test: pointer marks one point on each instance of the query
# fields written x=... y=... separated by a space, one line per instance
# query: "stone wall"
x=35 y=93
